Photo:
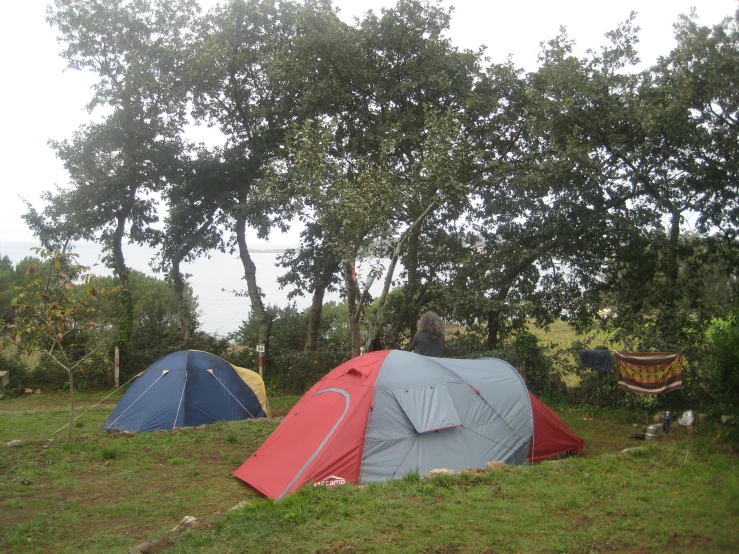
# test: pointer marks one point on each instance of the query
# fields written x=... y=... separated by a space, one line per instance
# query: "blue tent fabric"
x=184 y=389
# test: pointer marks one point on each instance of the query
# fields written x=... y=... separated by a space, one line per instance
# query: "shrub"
x=48 y=375
x=465 y=344
x=151 y=341
x=290 y=369
x=722 y=363
x=17 y=373
x=532 y=363
x=296 y=372
x=109 y=452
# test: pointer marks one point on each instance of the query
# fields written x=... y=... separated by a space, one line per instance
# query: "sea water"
x=214 y=280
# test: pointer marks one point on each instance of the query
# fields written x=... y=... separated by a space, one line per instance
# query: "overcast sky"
x=40 y=101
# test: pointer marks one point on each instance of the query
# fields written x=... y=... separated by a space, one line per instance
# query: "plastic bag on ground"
x=687 y=419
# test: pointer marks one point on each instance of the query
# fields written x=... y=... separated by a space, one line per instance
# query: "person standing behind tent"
x=429 y=341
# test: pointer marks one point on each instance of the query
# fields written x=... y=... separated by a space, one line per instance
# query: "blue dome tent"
x=186 y=389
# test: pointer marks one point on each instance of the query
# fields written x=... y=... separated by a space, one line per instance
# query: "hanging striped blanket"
x=649 y=372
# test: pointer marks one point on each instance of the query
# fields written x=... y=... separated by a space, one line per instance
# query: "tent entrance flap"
x=429 y=408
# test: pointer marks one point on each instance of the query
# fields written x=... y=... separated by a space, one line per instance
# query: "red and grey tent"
x=382 y=415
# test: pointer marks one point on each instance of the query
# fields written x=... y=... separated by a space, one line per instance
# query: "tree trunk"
x=250 y=274
x=184 y=315
x=125 y=324
x=314 y=319
x=182 y=312
x=119 y=262
x=353 y=304
x=493 y=329
x=672 y=272
x=412 y=286
x=670 y=321
x=71 y=404
x=408 y=313
x=379 y=318
x=314 y=316
x=413 y=231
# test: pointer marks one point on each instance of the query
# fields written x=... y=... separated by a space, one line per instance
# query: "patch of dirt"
x=441 y=549
x=693 y=541
x=77 y=409
x=696 y=542
x=337 y=547
x=579 y=521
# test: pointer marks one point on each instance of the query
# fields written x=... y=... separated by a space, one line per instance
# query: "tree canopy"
x=586 y=189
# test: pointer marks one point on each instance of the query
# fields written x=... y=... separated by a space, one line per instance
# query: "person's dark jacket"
x=428 y=344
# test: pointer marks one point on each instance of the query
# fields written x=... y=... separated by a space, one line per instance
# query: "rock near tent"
x=187 y=389
x=385 y=414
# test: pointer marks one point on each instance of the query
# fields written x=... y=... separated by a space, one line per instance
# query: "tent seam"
x=406 y=455
x=325 y=440
x=504 y=420
x=182 y=397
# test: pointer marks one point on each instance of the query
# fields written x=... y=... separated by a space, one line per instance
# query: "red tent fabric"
x=551 y=438
x=322 y=436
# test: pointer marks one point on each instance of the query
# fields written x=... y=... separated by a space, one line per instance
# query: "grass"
x=561 y=340
x=109 y=492
x=665 y=496
x=560 y=335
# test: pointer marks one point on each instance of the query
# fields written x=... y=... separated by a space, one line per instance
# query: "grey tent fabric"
x=437 y=413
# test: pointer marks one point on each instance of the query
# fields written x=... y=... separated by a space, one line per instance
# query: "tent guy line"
x=95 y=405
x=139 y=398
x=251 y=415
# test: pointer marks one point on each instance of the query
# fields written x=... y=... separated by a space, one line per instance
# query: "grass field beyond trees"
x=110 y=492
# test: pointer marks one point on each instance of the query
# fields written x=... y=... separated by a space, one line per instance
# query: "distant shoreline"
x=28 y=244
